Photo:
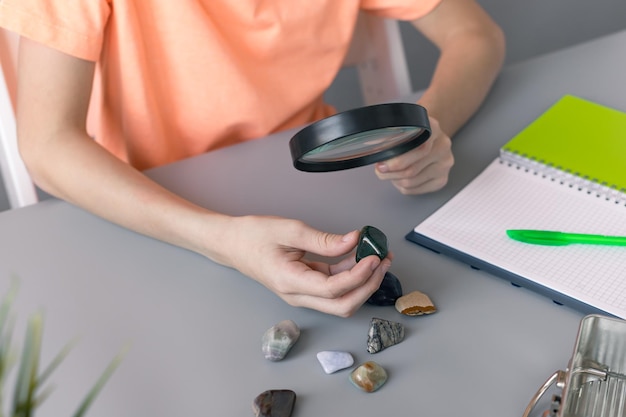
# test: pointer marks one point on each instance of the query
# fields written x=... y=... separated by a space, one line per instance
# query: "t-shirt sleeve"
x=75 y=27
x=400 y=9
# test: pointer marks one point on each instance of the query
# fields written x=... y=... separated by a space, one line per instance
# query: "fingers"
x=423 y=169
x=322 y=243
x=334 y=285
x=431 y=178
x=316 y=279
x=341 y=294
x=276 y=257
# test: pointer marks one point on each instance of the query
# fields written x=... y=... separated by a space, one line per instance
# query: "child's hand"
x=273 y=251
x=423 y=169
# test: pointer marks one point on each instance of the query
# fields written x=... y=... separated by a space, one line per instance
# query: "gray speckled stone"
x=384 y=333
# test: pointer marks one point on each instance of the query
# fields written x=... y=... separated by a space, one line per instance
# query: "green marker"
x=552 y=238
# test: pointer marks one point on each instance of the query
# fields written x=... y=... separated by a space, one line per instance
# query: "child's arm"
x=53 y=97
x=472 y=51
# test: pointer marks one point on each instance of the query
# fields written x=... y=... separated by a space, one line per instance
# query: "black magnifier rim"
x=359 y=120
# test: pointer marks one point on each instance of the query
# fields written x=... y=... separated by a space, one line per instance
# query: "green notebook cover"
x=580 y=137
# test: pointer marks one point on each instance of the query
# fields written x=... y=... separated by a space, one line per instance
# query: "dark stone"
x=388 y=292
x=371 y=242
x=274 y=403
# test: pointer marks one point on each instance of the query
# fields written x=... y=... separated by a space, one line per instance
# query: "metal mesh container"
x=594 y=384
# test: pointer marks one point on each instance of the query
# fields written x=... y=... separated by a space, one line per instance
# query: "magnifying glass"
x=358 y=137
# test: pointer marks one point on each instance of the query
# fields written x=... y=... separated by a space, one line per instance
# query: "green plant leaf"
x=29 y=363
x=7 y=357
x=82 y=409
x=28 y=391
x=41 y=397
x=7 y=302
x=7 y=324
x=56 y=362
x=6 y=327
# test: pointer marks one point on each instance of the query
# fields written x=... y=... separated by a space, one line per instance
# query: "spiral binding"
x=564 y=177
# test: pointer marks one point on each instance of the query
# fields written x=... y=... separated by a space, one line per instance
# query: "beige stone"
x=415 y=303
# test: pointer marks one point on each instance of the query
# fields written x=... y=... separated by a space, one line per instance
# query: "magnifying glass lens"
x=360 y=136
x=362 y=144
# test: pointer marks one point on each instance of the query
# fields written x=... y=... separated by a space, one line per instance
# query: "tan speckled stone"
x=415 y=303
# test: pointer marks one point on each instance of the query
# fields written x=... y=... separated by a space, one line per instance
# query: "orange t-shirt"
x=178 y=78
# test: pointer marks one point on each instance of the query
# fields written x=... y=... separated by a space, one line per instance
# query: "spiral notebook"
x=566 y=171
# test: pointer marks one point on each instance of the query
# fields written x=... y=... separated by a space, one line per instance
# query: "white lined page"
x=504 y=197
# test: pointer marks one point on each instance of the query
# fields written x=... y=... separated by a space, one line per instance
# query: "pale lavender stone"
x=333 y=361
x=279 y=339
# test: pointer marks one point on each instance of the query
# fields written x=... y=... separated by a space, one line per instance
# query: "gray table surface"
x=195 y=327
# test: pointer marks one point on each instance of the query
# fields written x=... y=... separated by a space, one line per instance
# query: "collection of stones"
x=369 y=376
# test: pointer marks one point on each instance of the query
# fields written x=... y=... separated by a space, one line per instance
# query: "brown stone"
x=415 y=303
x=274 y=403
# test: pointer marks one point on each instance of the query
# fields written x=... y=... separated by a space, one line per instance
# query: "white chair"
x=378 y=53
x=17 y=181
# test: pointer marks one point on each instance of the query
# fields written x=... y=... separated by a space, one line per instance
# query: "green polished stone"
x=369 y=377
x=371 y=242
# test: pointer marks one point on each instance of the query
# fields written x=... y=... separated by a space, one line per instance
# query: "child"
x=108 y=88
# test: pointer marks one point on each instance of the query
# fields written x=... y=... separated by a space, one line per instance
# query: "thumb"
x=328 y=244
